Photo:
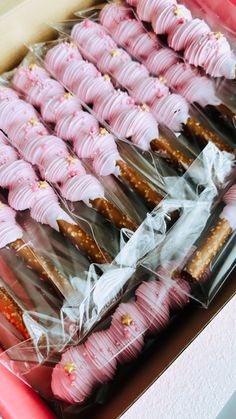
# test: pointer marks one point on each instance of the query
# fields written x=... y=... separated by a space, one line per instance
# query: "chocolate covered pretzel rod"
x=114 y=106
x=90 y=140
x=210 y=247
x=165 y=64
x=202 y=47
x=11 y=235
x=27 y=192
x=12 y=312
x=52 y=156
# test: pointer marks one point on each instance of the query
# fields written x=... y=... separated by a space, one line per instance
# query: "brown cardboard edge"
x=172 y=346
x=25 y=24
x=28 y=22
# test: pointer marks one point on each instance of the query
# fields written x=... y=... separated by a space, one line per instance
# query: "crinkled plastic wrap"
x=117 y=169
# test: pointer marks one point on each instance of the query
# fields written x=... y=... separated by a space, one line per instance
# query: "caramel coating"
x=113 y=214
x=194 y=127
x=162 y=145
x=84 y=242
x=44 y=267
x=207 y=251
x=136 y=181
x=12 y=312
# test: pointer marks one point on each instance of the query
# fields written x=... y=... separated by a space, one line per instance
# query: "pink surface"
x=201 y=381
x=18 y=400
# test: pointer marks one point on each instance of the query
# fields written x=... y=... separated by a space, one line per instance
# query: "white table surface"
x=201 y=380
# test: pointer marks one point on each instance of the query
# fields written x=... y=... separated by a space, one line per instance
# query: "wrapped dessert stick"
x=90 y=141
x=198 y=265
x=193 y=36
x=115 y=107
x=12 y=236
x=172 y=110
x=27 y=192
x=12 y=312
x=131 y=34
x=52 y=156
x=95 y=362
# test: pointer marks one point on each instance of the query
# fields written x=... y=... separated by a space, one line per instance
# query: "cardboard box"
x=23 y=22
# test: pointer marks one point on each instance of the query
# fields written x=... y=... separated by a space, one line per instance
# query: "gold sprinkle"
x=126 y=320
x=43 y=184
x=145 y=108
x=67 y=95
x=218 y=35
x=2 y=204
x=34 y=122
x=107 y=77
x=70 y=160
x=152 y=35
x=162 y=79
x=177 y=11
x=72 y=45
x=69 y=367
x=114 y=53
x=103 y=131
x=32 y=67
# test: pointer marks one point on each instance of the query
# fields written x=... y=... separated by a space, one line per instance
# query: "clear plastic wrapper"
x=129 y=75
x=206 y=257
x=102 y=268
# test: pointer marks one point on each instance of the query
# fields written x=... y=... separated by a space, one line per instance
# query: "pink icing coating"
x=126 y=31
x=75 y=72
x=89 y=88
x=9 y=229
x=153 y=302
x=74 y=386
x=139 y=125
x=95 y=362
x=25 y=192
x=11 y=112
x=132 y=2
x=101 y=356
x=96 y=44
x=146 y=8
x=149 y=90
x=128 y=338
x=224 y=66
x=26 y=76
x=184 y=35
x=50 y=153
x=143 y=45
x=179 y=74
x=208 y=53
x=230 y=196
x=81 y=31
x=200 y=90
x=167 y=20
x=110 y=63
x=42 y=91
x=130 y=74
x=82 y=188
x=112 y=14
x=159 y=61
x=20 y=134
x=69 y=127
x=108 y=106
x=171 y=111
x=179 y=294
x=57 y=107
x=8 y=94
x=61 y=54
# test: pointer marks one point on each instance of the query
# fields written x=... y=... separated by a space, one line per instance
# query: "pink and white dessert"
x=72 y=379
x=153 y=301
x=127 y=331
x=101 y=352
